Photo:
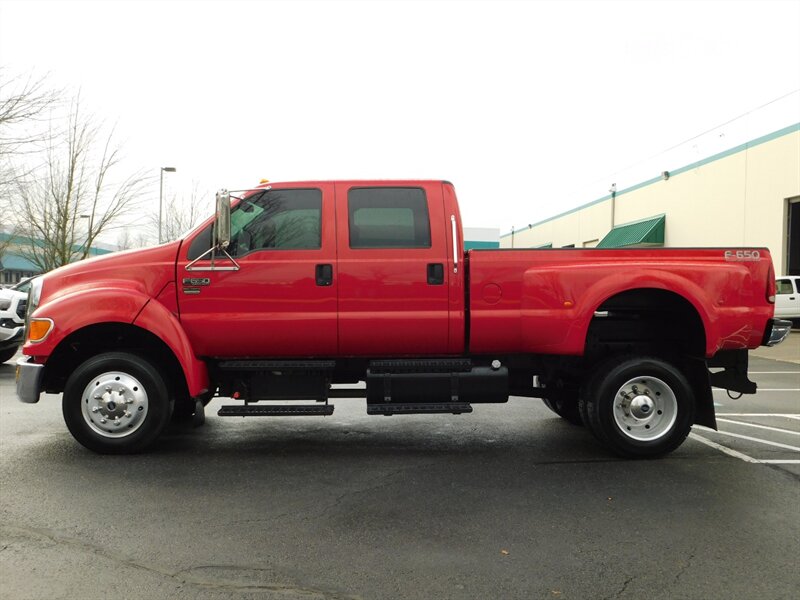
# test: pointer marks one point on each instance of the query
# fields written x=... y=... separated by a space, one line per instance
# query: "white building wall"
x=737 y=198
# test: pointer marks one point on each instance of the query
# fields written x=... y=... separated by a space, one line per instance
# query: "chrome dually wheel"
x=639 y=407
x=646 y=408
x=116 y=403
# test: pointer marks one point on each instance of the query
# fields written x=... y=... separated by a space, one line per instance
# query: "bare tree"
x=64 y=204
x=182 y=213
x=5 y=241
x=24 y=103
x=128 y=239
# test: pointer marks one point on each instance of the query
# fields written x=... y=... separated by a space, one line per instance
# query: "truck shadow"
x=552 y=439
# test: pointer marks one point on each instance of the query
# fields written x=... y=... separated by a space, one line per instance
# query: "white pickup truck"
x=12 y=318
x=787 y=297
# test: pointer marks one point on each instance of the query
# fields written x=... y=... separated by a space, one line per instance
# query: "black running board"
x=427 y=408
x=283 y=410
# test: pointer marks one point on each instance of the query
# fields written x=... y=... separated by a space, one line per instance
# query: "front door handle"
x=324 y=275
x=435 y=274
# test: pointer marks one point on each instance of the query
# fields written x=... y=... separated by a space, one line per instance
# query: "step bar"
x=283 y=410
x=427 y=408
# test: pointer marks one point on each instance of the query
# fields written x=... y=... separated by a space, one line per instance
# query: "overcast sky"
x=529 y=108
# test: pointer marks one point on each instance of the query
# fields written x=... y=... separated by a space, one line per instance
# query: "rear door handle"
x=324 y=274
x=435 y=274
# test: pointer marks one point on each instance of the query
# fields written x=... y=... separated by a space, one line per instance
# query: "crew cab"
x=291 y=288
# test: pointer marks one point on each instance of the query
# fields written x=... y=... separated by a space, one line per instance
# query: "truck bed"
x=543 y=301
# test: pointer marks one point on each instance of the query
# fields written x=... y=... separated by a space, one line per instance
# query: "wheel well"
x=107 y=337
x=649 y=321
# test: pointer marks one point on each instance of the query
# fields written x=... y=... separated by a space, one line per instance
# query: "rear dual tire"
x=638 y=407
x=566 y=407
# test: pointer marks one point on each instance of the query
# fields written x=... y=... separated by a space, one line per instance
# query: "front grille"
x=21 y=309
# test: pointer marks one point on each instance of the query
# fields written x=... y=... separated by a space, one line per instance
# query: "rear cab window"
x=388 y=217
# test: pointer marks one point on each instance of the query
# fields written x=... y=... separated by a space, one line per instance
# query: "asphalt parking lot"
x=509 y=502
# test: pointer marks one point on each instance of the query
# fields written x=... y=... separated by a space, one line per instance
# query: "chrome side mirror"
x=221 y=235
x=222 y=222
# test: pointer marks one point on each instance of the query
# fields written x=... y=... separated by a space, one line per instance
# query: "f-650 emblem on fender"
x=196 y=281
x=742 y=255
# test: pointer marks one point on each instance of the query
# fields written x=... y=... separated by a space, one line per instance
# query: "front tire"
x=116 y=403
x=639 y=407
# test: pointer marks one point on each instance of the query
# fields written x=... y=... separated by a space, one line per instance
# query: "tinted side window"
x=784 y=286
x=277 y=220
x=200 y=244
x=388 y=218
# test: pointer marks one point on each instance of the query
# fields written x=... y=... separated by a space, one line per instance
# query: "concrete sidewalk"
x=788 y=350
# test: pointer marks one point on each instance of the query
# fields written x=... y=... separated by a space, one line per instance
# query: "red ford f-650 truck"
x=294 y=287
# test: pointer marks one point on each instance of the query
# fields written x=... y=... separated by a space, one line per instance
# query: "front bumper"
x=29 y=380
x=776 y=332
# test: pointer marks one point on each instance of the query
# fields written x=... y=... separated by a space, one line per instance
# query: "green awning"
x=647 y=232
x=544 y=246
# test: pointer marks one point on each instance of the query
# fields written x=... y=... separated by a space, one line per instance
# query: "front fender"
x=78 y=310
x=157 y=319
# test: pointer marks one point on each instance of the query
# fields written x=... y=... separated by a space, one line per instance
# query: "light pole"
x=613 y=190
x=161 y=196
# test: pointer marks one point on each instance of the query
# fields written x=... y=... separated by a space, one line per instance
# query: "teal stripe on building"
x=470 y=245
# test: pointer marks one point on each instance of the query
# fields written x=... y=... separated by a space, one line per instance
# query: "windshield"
x=23 y=286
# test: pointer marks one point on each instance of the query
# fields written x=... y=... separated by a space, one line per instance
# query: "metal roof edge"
x=714 y=157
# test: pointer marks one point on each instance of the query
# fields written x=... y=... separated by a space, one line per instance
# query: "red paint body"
x=380 y=302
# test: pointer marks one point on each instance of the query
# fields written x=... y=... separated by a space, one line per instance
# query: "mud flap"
x=700 y=380
x=733 y=378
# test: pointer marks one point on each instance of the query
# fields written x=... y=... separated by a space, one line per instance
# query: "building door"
x=793 y=238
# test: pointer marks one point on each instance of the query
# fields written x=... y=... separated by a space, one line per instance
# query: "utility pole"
x=161 y=197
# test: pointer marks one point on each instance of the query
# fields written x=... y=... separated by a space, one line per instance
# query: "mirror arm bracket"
x=234 y=266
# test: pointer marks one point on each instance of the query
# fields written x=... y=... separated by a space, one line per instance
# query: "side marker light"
x=39 y=329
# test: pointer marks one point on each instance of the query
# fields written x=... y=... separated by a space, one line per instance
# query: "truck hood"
x=146 y=270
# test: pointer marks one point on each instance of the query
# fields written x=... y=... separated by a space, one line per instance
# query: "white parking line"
x=778 y=429
x=752 y=439
x=741 y=455
x=716 y=389
x=785 y=415
x=723 y=449
x=773 y=372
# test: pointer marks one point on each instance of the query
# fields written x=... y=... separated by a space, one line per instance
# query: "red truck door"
x=392 y=274
x=282 y=301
